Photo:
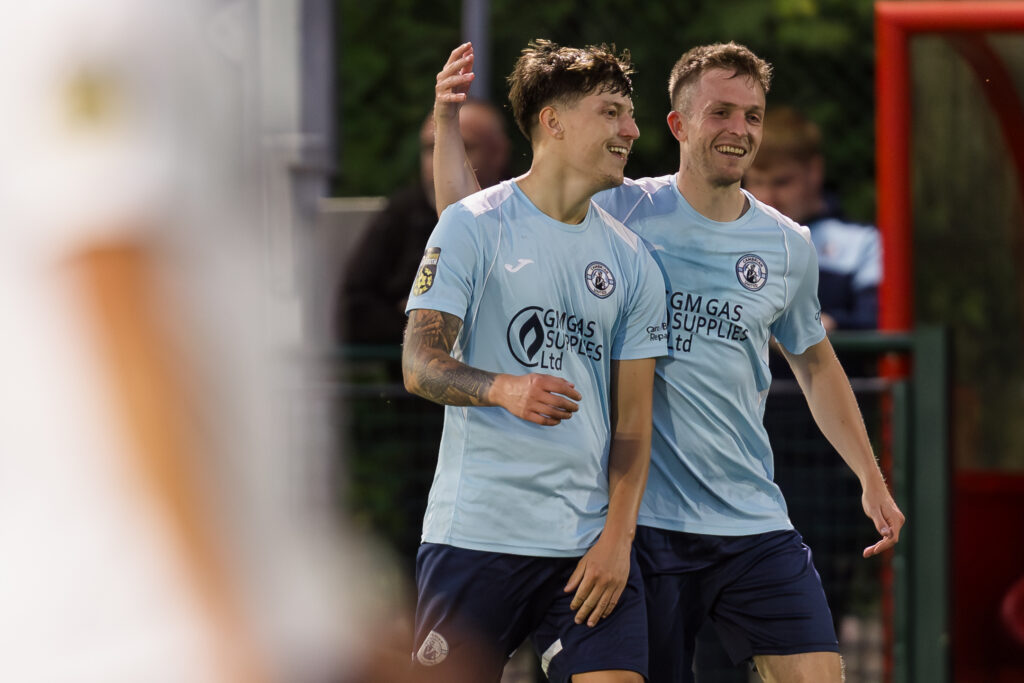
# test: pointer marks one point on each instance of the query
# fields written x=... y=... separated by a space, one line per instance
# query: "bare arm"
x=601 y=574
x=454 y=177
x=430 y=371
x=835 y=410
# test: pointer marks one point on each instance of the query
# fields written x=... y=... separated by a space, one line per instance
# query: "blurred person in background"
x=788 y=173
x=150 y=524
x=370 y=309
x=370 y=303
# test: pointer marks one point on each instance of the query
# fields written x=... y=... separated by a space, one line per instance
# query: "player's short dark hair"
x=547 y=72
x=729 y=56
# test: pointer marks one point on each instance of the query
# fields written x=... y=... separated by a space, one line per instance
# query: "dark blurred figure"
x=391 y=438
x=370 y=306
x=789 y=174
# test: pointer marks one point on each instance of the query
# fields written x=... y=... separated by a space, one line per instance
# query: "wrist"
x=872 y=479
x=618 y=533
x=497 y=389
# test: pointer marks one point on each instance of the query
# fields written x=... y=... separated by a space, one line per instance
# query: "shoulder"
x=634 y=196
x=475 y=209
x=651 y=186
x=487 y=200
x=785 y=224
x=621 y=234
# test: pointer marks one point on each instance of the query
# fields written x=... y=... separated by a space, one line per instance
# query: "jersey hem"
x=507 y=549
x=713 y=529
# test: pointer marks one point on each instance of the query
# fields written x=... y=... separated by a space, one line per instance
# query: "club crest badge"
x=600 y=280
x=433 y=650
x=428 y=268
x=752 y=272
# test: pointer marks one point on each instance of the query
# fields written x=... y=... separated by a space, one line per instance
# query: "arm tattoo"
x=429 y=369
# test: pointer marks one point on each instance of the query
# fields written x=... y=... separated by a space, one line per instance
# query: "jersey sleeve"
x=643 y=330
x=447 y=273
x=799 y=327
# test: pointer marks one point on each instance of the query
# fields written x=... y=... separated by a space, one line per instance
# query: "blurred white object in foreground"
x=153 y=522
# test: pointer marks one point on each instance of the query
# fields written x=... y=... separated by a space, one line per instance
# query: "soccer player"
x=536 y=319
x=714 y=539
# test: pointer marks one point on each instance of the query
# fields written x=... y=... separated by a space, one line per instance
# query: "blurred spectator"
x=789 y=174
x=370 y=307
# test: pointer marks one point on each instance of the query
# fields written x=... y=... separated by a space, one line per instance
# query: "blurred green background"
x=390 y=51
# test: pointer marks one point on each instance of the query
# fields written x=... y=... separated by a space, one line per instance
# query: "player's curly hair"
x=729 y=56
x=547 y=73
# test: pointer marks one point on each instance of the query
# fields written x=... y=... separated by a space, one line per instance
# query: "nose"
x=738 y=123
x=628 y=128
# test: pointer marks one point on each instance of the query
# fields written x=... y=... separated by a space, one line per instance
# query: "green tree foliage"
x=389 y=52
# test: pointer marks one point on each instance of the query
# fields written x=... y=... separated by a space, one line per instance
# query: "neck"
x=722 y=203
x=556 y=192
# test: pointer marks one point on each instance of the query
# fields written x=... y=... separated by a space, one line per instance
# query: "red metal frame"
x=962 y=24
x=895 y=22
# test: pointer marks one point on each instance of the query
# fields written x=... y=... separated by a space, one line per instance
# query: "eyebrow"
x=609 y=102
x=723 y=103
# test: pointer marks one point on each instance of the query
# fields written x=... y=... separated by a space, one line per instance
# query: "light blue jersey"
x=534 y=295
x=731 y=286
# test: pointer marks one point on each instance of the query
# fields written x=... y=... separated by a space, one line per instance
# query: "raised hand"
x=453 y=82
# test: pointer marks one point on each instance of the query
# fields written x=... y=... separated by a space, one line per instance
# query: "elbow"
x=409 y=381
x=409 y=376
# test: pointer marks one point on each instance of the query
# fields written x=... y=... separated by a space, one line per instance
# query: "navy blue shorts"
x=475 y=608
x=761 y=593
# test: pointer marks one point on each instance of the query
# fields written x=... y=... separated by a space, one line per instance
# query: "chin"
x=726 y=180
x=609 y=181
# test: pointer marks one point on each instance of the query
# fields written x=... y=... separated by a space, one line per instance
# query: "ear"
x=675 y=124
x=550 y=123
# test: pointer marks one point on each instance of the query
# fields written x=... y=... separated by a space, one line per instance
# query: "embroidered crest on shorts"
x=752 y=272
x=600 y=280
x=428 y=268
x=433 y=650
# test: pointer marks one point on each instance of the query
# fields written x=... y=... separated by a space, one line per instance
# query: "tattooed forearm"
x=429 y=369
x=455 y=384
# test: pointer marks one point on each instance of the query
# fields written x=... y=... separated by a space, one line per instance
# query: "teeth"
x=729 y=149
x=615 y=149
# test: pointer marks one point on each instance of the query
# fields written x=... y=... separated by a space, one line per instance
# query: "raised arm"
x=601 y=574
x=430 y=371
x=454 y=176
x=835 y=410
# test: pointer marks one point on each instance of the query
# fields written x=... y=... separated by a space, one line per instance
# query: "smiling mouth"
x=619 y=151
x=731 y=150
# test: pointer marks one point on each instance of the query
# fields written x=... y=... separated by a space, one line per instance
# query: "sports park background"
x=922 y=110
